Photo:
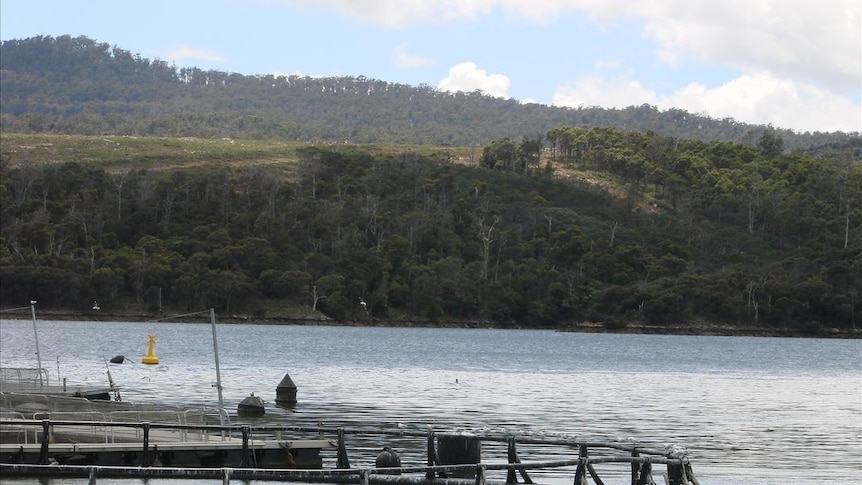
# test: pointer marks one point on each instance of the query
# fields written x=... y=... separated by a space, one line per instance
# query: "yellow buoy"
x=150 y=358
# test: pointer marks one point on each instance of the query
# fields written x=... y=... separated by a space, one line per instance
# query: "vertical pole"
x=92 y=480
x=145 y=461
x=480 y=475
x=43 y=451
x=513 y=458
x=218 y=370
x=245 y=460
x=343 y=461
x=581 y=470
x=36 y=338
x=676 y=474
x=645 y=474
x=511 y=476
x=431 y=455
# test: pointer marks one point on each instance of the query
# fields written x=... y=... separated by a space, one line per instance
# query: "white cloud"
x=759 y=98
x=596 y=91
x=403 y=13
x=764 y=98
x=797 y=63
x=467 y=77
x=814 y=41
x=186 y=53
x=609 y=64
x=802 y=39
x=404 y=60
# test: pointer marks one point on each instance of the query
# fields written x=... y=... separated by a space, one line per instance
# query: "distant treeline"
x=75 y=85
x=676 y=231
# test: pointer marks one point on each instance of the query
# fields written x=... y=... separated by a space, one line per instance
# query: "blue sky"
x=792 y=63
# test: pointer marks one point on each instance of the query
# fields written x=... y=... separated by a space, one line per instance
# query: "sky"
x=793 y=64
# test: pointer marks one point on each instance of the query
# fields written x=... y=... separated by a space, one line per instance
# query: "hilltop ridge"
x=76 y=85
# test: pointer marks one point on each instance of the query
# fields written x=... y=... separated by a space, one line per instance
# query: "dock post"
x=480 y=475
x=673 y=475
x=644 y=474
x=225 y=476
x=92 y=479
x=459 y=449
x=43 y=451
x=342 y=462
x=511 y=477
x=245 y=460
x=144 y=458
x=676 y=472
x=432 y=455
x=581 y=470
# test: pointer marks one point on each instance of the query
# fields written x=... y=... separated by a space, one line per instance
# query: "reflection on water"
x=750 y=410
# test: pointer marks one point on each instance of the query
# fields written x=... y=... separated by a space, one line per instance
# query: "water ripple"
x=749 y=410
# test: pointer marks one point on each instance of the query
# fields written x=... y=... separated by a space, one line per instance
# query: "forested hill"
x=159 y=191
x=76 y=85
x=616 y=230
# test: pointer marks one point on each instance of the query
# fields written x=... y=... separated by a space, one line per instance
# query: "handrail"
x=641 y=458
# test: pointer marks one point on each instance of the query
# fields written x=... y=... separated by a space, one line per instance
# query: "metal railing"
x=29 y=376
x=640 y=459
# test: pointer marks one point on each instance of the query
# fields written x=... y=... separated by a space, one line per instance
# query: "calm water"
x=755 y=411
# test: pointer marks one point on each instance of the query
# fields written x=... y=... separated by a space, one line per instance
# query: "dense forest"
x=76 y=85
x=156 y=190
x=606 y=226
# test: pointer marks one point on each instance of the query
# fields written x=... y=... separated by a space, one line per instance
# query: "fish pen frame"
x=640 y=458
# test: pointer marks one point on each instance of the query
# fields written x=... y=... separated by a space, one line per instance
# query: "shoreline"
x=692 y=329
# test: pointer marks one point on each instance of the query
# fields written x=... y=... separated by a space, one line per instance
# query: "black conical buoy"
x=251 y=406
x=285 y=393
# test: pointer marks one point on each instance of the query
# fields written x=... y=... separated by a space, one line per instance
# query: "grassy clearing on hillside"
x=119 y=154
x=123 y=153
